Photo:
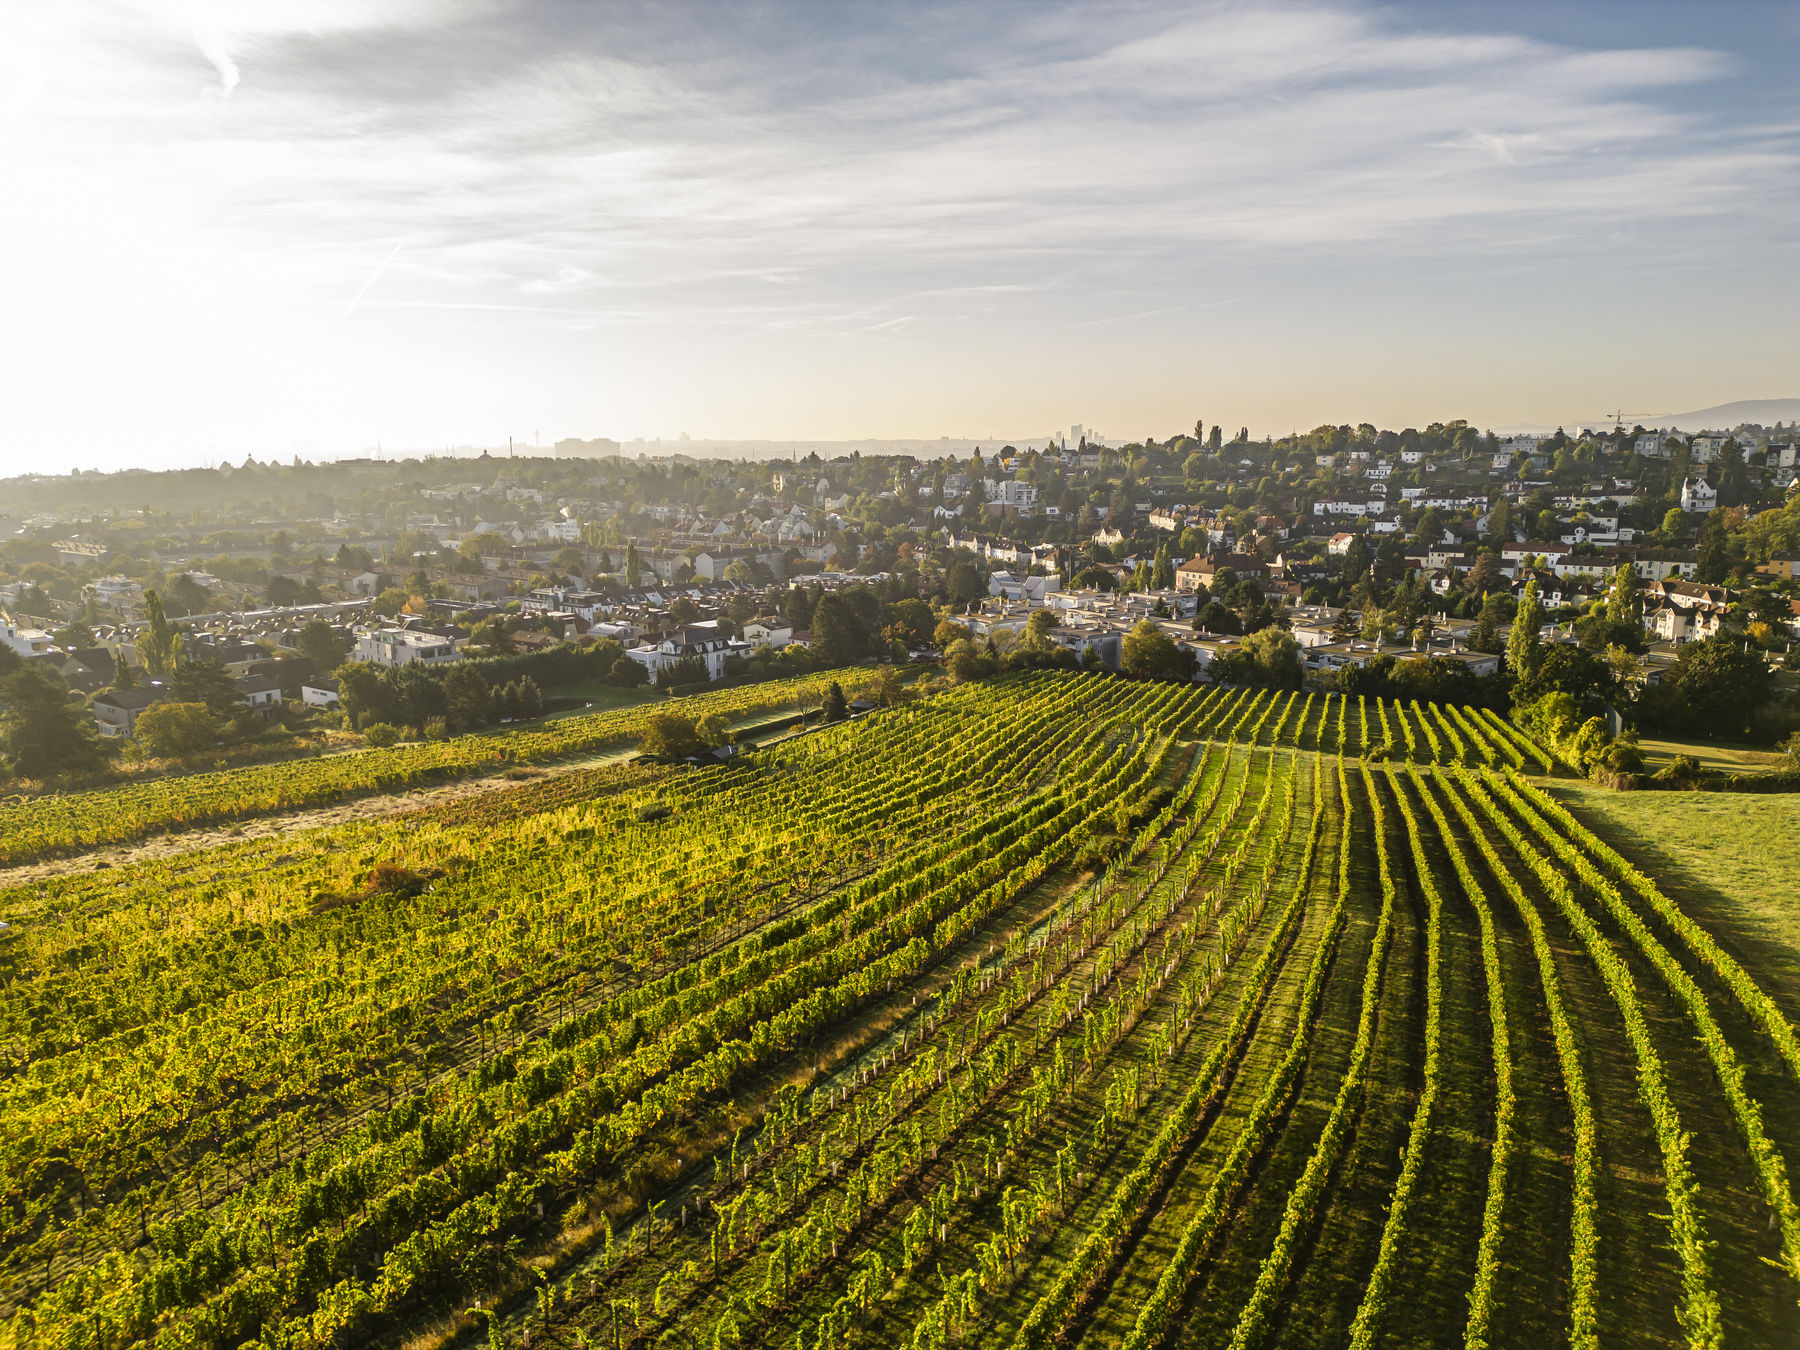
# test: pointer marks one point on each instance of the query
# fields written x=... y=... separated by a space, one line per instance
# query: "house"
x=397 y=647
x=1013 y=494
x=1685 y=611
x=116 y=712
x=321 y=693
x=1340 y=544
x=1105 y=643
x=702 y=642
x=1659 y=564
x=260 y=694
x=1698 y=496
x=1783 y=565
x=1027 y=588
x=773 y=633
x=25 y=641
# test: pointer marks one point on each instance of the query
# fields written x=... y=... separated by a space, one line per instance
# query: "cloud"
x=798 y=173
x=212 y=46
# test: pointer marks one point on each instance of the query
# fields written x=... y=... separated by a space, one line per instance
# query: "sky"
x=280 y=227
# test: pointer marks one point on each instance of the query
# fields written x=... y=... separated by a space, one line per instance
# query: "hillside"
x=1057 y=1008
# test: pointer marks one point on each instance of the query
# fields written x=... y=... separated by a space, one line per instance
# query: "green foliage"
x=670 y=737
x=44 y=733
x=1149 y=652
x=381 y=735
x=176 y=729
x=207 y=683
x=159 y=643
x=1523 y=645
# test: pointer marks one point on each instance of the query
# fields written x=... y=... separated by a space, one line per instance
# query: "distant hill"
x=1762 y=411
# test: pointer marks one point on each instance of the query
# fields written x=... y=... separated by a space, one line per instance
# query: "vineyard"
x=33 y=827
x=1055 y=1010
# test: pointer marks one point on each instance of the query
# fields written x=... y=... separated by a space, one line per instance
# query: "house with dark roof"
x=117 y=710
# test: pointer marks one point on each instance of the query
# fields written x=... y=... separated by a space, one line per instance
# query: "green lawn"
x=601 y=695
x=1728 y=858
x=1725 y=756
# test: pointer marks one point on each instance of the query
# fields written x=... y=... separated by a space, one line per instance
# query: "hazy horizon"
x=276 y=229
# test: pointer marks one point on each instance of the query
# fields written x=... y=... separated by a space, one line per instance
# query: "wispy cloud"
x=845 y=170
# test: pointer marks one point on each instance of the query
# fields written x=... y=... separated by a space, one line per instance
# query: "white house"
x=703 y=643
x=1011 y=492
x=768 y=633
x=1698 y=496
x=260 y=694
x=396 y=647
x=25 y=641
x=319 y=693
x=1030 y=589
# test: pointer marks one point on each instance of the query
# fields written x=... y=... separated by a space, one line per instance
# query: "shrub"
x=381 y=735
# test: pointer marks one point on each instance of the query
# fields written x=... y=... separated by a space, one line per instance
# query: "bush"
x=437 y=729
x=1679 y=772
x=381 y=734
x=175 y=730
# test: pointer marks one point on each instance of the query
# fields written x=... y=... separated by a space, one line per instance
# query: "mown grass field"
x=1724 y=757
x=1056 y=1010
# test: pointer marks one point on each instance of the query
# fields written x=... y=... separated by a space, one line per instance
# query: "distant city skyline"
x=278 y=228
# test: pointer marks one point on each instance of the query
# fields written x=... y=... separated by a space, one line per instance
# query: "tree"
x=468 y=702
x=74 y=636
x=491 y=638
x=319 y=644
x=1162 y=574
x=1484 y=576
x=1563 y=668
x=628 y=674
x=910 y=620
x=947 y=632
x=1092 y=579
x=390 y=602
x=363 y=694
x=835 y=708
x=634 y=568
x=1148 y=651
x=44 y=734
x=884 y=689
x=159 y=645
x=963 y=581
x=1486 y=637
x=713 y=730
x=1523 y=646
x=1712 y=557
x=670 y=737
x=1276 y=657
x=1724 y=685
x=837 y=636
x=962 y=662
x=175 y=730
x=208 y=683
x=1625 y=601
x=1216 y=617
x=684 y=611
x=1674 y=522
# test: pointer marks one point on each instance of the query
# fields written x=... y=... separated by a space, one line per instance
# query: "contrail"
x=350 y=308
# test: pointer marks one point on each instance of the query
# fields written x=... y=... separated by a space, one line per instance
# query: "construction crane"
x=1620 y=416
